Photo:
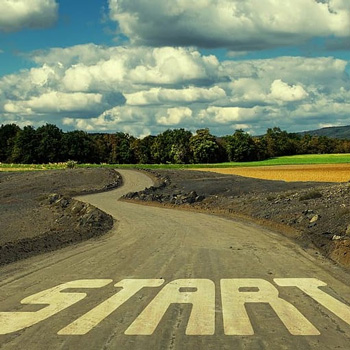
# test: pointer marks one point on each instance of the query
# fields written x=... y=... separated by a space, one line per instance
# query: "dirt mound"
x=38 y=213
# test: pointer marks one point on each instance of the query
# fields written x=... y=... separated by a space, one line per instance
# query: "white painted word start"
x=200 y=293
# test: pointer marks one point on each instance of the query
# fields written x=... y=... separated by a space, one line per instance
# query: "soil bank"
x=38 y=213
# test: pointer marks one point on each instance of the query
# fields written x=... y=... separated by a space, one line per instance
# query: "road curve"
x=231 y=272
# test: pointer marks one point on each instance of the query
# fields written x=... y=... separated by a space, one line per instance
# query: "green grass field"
x=288 y=160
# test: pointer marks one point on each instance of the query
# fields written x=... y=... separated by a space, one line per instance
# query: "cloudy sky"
x=143 y=66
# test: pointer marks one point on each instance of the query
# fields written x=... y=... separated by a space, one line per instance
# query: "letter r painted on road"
x=56 y=300
x=236 y=319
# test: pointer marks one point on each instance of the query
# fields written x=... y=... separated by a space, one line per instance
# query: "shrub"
x=71 y=164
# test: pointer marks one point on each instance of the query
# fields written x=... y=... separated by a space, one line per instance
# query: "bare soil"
x=313 y=172
x=316 y=214
x=38 y=213
x=176 y=247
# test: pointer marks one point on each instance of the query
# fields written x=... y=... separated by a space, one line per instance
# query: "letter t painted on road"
x=235 y=293
x=310 y=286
x=91 y=319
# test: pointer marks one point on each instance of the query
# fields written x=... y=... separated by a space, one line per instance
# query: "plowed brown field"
x=321 y=173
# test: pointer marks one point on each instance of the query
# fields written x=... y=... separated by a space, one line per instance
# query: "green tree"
x=240 y=147
x=8 y=134
x=304 y=146
x=114 y=148
x=49 y=144
x=161 y=148
x=317 y=144
x=172 y=146
x=279 y=143
x=124 y=152
x=204 y=147
x=326 y=145
x=180 y=152
x=79 y=146
x=101 y=146
x=25 y=146
x=261 y=148
x=142 y=150
x=343 y=146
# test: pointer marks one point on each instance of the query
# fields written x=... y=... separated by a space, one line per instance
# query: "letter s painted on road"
x=54 y=298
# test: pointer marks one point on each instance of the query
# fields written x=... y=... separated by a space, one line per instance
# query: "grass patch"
x=30 y=167
x=287 y=160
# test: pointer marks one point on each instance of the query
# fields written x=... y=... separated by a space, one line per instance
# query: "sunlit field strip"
x=287 y=160
x=319 y=173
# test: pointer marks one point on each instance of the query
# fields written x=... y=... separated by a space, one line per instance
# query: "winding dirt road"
x=168 y=279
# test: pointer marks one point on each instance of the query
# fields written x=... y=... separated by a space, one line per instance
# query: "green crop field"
x=287 y=160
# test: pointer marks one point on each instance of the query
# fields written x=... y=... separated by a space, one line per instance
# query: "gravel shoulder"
x=315 y=214
x=38 y=212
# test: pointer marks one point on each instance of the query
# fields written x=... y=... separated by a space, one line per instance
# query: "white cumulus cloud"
x=18 y=14
x=138 y=65
x=143 y=90
x=165 y=96
x=286 y=93
x=56 y=102
x=175 y=116
x=235 y=24
x=228 y=115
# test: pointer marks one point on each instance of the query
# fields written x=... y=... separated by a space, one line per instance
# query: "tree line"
x=49 y=144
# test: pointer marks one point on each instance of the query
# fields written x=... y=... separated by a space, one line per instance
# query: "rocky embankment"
x=321 y=214
x=157 y=194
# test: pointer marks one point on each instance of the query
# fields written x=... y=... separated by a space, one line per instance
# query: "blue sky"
x=75 y=25
x=145 y=66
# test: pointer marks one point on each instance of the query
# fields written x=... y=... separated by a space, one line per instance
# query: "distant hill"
x=337 y=132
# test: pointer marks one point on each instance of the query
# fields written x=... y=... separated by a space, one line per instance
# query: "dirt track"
x=315 y=213
x=157 y=244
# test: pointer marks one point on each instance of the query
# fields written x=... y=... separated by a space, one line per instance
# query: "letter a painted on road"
x=198 y=292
